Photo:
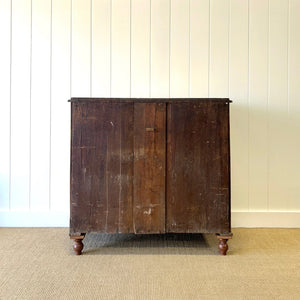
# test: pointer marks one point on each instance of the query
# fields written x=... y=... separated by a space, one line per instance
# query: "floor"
x=38 y=263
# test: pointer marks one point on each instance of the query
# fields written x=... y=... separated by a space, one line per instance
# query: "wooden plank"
x=258 y=101
x=101 y=48
x=179 y=49
x=199 y=47
x=293 y=192
x=198 y=179
x=238 y=73
x=160 y=39
x=102 y=167
x=40 y=105
x=120 y=51
x=278 y=105
x=140 y=48
x=5 y=36
x=81 y=48
x=149 y=167
x=219 y=32
x=20 y=104
x=60 y=108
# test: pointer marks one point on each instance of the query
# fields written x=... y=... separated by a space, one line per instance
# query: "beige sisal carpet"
x=38 y=263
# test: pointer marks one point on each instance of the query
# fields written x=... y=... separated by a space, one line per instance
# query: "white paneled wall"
x=51 y=50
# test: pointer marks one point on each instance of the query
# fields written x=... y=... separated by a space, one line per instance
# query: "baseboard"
x=34 y=219
x=265 y=219
x=61 y=219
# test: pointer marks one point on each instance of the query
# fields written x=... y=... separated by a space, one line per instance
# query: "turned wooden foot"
x=223 y=247
x=78 y=245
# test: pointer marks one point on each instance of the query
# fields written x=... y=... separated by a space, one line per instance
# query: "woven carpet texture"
x=38 y=263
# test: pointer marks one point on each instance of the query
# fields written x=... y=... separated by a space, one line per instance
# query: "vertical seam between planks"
x=133 y=165
x=167 y=107
x=10 y=89
x=120 y=168
x=30 y=109
x=248 y=104
x=50 y=107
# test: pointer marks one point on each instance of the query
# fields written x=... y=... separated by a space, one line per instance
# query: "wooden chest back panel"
x=148 y=166
x=197 y=168
x=102 y=167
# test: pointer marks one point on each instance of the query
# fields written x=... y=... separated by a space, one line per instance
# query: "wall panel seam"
x=10 y=93
x=268 y=113
x=150 y=52
x=91 y=48
x=170 y=21
x=71 y=42
x=249 y=102
x=209 y=46
x=288 y=56
x=50 y=127
x=30 y=109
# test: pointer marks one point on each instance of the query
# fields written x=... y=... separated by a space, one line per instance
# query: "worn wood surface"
x=198 y=178
x=149 y=167
x=102 y=167
x=152 y=100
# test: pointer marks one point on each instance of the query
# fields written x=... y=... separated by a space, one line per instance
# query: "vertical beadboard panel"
x=20 y=104
x=100 y=48
x=293 y=191
x=179 y=49
x=40 y=105
x=5 y=13
x=81 y=48
x=160 y=21
x=120 y=51
x=278 y=104
x=219 y=32
x=60 y=108
x=258 y=99
x=199 y=48
x=140 y=48
x=238 y=91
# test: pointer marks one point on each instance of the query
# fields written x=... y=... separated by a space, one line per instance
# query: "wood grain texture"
x=102 y=166
x=198 y=178
x=149 y=167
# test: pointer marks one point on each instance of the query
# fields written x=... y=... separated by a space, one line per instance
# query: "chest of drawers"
x=150 y=166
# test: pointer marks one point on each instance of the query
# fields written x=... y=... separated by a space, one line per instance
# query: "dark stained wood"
x=152 y=100
x=78 y=246
x=102 y=167
x=198 y=178
x=223 y=247
x=149 y=167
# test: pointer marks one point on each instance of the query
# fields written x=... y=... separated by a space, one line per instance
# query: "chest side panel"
x=101 y=167
x=198 y=175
